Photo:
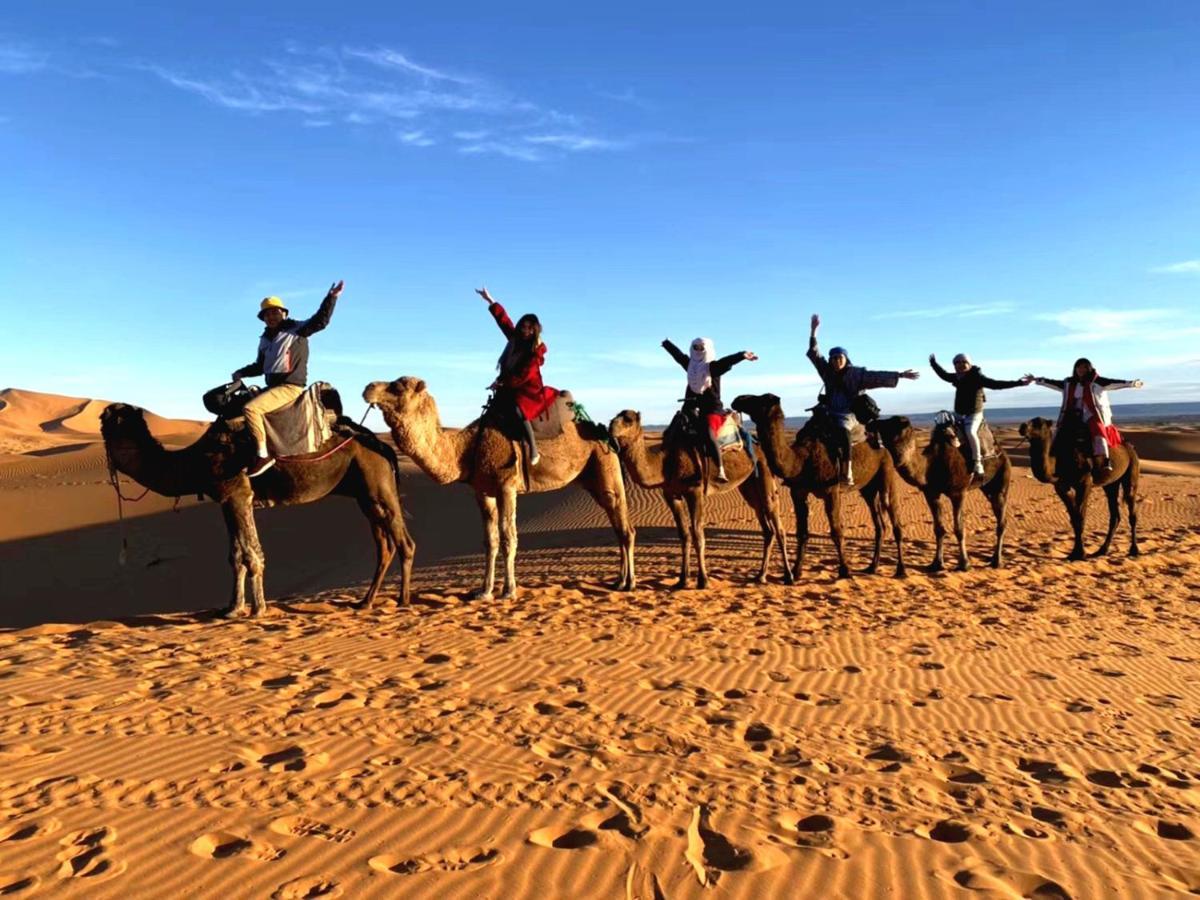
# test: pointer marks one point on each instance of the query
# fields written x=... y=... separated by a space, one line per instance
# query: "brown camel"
x=684 y=479
x=214 y=466
x=1066 y=464
x=491 y=463
x=944 y=469
x=807 y=467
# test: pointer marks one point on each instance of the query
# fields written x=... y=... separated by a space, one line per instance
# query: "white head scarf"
x=700 y=354
x=965 y=358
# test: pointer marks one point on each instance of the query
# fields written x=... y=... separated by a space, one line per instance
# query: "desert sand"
x=1029 y=732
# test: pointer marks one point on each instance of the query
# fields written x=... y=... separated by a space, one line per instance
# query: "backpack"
x=865 y=409
x=227 y=400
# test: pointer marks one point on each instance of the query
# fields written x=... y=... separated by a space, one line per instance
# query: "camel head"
x=758 y=407
x=121 y=421
x=626 y=428
x=945 y=432
x=404 y=400
x=896 y=434
x=1036 y=428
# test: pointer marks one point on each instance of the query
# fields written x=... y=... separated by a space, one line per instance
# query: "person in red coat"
x=520 y=368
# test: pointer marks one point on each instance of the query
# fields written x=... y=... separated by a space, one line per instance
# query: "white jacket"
x=1073 y=398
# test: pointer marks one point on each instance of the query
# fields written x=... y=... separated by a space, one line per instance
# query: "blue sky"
x=1014 y=180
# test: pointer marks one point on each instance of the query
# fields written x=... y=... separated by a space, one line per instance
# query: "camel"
x=214 y=466
x=491 y=463
x=943 y=469
x=807 y=467
x=684 y=480
x=1068 y=467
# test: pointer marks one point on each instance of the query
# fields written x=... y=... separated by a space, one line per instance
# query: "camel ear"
x=419 y=386
x=1024 y=429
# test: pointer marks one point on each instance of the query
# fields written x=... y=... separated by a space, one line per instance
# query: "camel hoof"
x=843 y=573
x=232 y=612
x=481 y=594
x=508 y=595
x=701 y=583
x=996 y=563
x=935 y=567
x=1103 y=551
x=964 y=566
x=901 y=572
x=788 y=579
x=759 y=579
x=680 y=585
x=1134 y=551
x=872 y=569
x=1076 y=556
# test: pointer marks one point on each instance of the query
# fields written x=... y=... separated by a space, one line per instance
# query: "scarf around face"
x=700 y=354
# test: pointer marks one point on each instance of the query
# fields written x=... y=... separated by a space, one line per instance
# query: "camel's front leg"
x=934 y=501
x=999 y=501
x=1077 y=511
x=695 y=503
x=1131 y=489
x=800 y=508
x=491 y=539
x=508 y=537
x=960 y=531
x=237 y=560
x=833 y=512
x=752 y=492
x=871 y=497
x=610 y=494
x=683 y=528
x=1111 y=492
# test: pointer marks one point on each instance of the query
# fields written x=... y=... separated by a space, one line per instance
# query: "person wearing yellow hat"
x=283 y=362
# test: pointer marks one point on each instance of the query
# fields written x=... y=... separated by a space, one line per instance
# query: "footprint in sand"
x=85 y=854
x=23 y=831
x=1171 y=831
x=302 y=827
x=815 y=831
x=338 y=699
x=227 y=845
x=564 y=838
x=456 y=860
x=17 y=884
x=307 y=888
x=990 y=877
x=288 y=758
x=711 y=854
x=946 y=831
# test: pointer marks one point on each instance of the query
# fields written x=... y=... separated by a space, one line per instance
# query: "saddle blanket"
x=550 y=423
x=301 y=427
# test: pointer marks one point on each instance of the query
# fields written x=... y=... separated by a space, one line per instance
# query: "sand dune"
x=1023 y=733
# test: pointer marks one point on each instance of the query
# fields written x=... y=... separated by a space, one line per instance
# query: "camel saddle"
x=301 y=427
x=500 y=413
x=691 y=428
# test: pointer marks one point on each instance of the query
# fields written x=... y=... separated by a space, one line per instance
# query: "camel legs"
x=385 y=550
x=695 y=504
x=934 y=502
x=1131 y=487
x=683 y=528
x=491 y=538
x=871 y=496
x=800 y=508
x=960 y=531
x=765 y=502
x=610 y=494
x=1112 y=495
x=833 y=512
x=508 y=540
x=889 y=499
x=999 y=501
x=245 y=555
x=1076 y=501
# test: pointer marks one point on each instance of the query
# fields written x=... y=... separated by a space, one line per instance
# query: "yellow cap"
x=271 y=303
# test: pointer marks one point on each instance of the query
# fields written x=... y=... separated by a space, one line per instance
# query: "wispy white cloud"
x=627 y=96
x=574 y=142
x=1092 y=325
x=391 y=59
x=1187 y=267
x=950 y=310
x=381 y=85
x=415 y=139
x=21 y=59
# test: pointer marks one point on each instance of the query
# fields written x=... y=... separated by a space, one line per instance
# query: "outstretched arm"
x=820 y=363
x=1116 y=384
x=998 y=384
x=941 y=373
x=498 y=313
x=1055 y=384
x=725 y=363
x=676 y=354
x=324 y=313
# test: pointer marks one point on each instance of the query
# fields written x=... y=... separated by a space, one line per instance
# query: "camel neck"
x=781 y=457
x=440 y=455
x=1040 y=460
x=172 y=473
x=645 y=465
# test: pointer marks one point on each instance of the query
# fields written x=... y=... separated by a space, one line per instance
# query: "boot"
x=847 y=474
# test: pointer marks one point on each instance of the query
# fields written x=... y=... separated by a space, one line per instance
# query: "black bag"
x=227 y=401
x=865 y=409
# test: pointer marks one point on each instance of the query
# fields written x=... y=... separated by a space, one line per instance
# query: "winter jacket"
x=842 y=387
x=525 y=383
x=708 y=402
x=968 y=388
x=1073 y=400
x=283 y=352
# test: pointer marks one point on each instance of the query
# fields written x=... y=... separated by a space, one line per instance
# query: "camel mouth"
x=373 y=390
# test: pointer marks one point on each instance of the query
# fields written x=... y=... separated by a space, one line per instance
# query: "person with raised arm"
x=844 y=383
x=969 y=381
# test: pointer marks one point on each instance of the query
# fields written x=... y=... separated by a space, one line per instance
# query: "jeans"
x=970 y=424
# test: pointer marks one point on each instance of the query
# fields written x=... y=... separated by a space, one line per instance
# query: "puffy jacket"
x=968 y=388
x=842 y=387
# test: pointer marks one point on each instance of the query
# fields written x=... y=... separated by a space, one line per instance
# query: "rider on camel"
x=1085 y=399
x=969 y=381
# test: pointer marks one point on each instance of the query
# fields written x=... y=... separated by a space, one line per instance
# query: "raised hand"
x=335 y=290
x=910 y=374
x=933 y=359
x=747 y=355
x=483 y=292
x=816 y=323
x=1027 y=379
x=1138 y=383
